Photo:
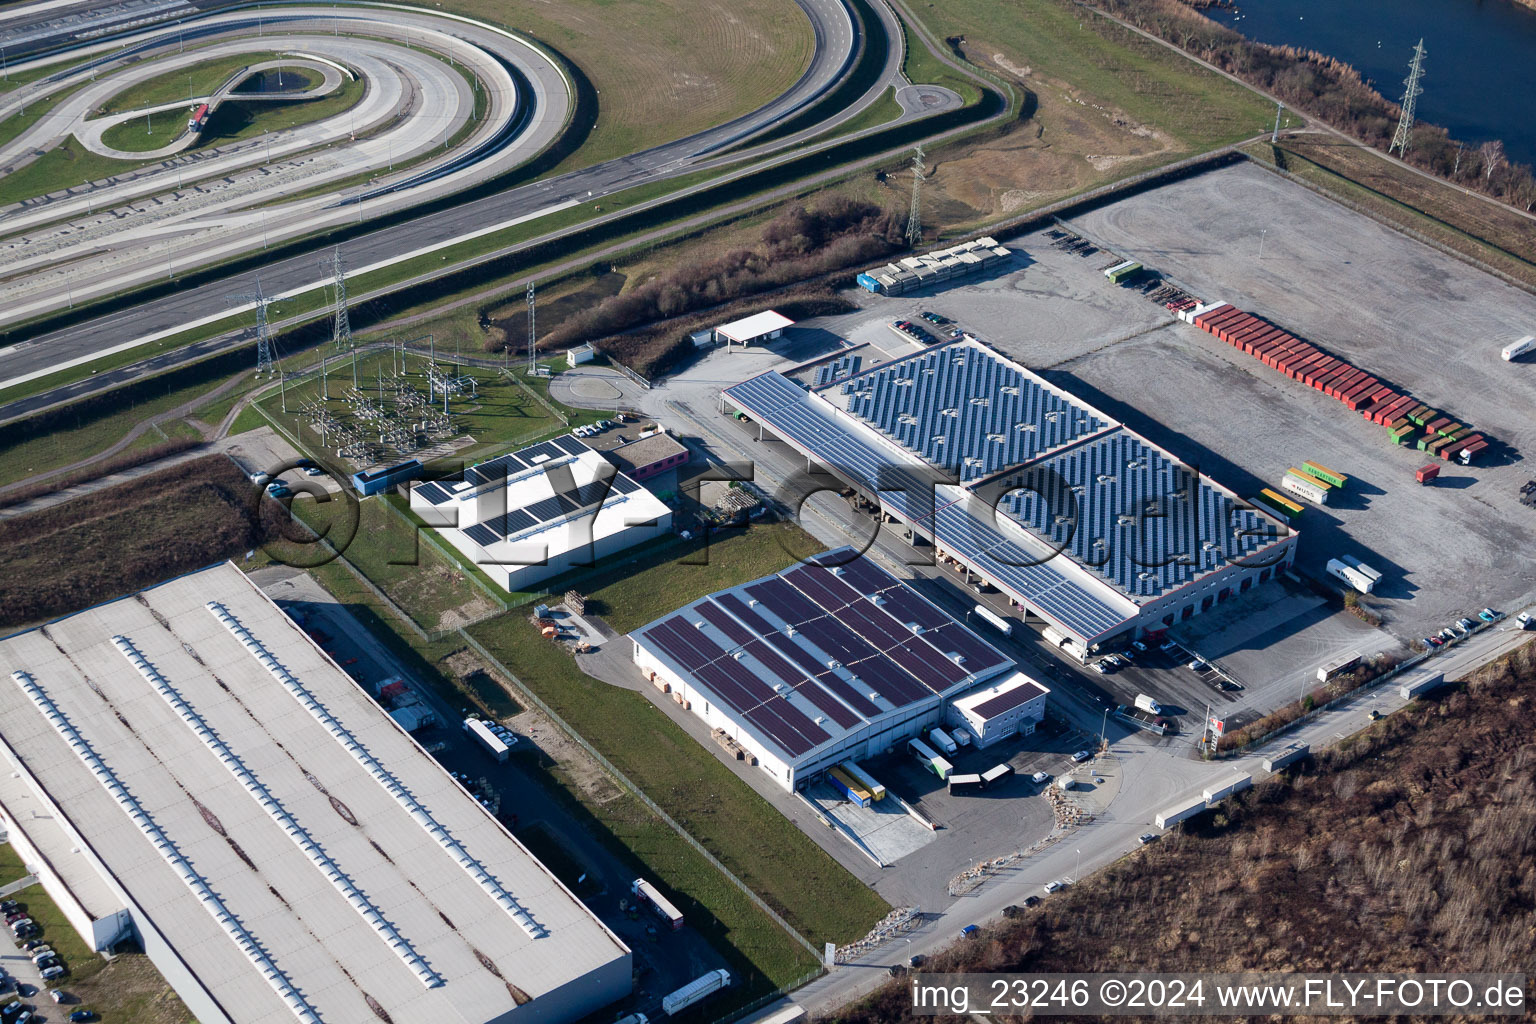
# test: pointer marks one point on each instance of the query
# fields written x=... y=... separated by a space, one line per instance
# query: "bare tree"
x=1493 y=156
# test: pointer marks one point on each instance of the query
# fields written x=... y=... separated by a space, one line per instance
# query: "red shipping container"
x=1424 y=474
x=1211 y=314
x=1394 y=409
x=1361 y=389
x=1308 y=361
x=1333 y=388
x=1245 y=333
x=1382 y=399
x=1470 y=451
x=1225 y=309
x=1230 y=331
x=1456 y=447
x=1319 y=369
x=1434 y=426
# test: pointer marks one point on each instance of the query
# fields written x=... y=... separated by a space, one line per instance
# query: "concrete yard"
x=884 y=829
x=1389 y=304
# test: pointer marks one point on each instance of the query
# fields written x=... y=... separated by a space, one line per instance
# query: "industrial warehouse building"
x=1071 y=515
x=823 y=662
x=536 y=513
x=187 y=770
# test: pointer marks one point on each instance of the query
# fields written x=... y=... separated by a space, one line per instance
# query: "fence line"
x=762 y=1001
x=502 y=600
x=562 y=417
x=624 y=781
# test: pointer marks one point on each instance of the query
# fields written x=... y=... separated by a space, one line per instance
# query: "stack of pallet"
x=1356 y=388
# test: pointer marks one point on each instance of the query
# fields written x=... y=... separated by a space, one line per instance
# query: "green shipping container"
x=1422 y=415
x=1450 y=428
x=1399 y=436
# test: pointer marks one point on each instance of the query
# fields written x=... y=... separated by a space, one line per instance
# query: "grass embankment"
x=199 y=79
x=11 y=866
x=1101 y=62
x=1418 y=828
x=1484 y=230
x=120 y=539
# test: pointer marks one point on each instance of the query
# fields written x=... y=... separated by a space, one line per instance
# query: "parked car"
x=1169 y=647
x=313 y=471
x=1081 y=756
x=1139 y=646
x=1031 y=900
x=82 y=1016
x=916 y=960
x=55 y=971
x=1487 y=614
x=42 y=953
x=1147 y=837
x=1040 y=777
x=1055 y=886
x=18 y=922
x=15 y=915
x=1101 y=668
x=56 y=995
x=969 y=931
x=1373 y=714
x=1465 y=624
x=1198 y=665
x=1434 y=641
x=31 y=944
x=10 y=907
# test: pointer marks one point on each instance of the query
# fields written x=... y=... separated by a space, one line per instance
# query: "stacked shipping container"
x=1355 y=388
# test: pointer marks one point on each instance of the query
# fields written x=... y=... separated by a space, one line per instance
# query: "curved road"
x=158 y=318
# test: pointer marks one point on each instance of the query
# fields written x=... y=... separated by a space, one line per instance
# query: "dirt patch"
x=128 y=990
x=467 y=613
x=570 y=759
x=511 y=318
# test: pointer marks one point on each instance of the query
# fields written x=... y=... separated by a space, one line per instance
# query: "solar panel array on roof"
x=962 y=407
x=905 y=488
x=1142 y=522
x=504 y=466
x=967 y=535
x=791 y=652
x=837 y=369
x=1009 y=699
x=435 y=493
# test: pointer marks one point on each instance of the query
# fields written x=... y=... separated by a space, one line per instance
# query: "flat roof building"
x=822 y=662
x=1072 y=515
x=758 y=327
x=994 y=713
x=541 y=511
x=648 y=455
x=187 y=769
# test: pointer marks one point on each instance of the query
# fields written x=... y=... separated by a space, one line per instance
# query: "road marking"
x=290 y=293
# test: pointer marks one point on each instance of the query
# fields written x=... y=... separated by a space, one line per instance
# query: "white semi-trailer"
x=676 y=1002
x=1350 y=575
x=1519 y=348
x=997 y=622
x=486 y=738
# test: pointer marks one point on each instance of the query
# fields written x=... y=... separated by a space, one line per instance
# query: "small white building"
x=1014 y=705
x=525 y=517
x=580 y=354
x=759 y=327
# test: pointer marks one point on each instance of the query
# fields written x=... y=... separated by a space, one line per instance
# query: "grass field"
x=20 y=459
x=199 y=79
x=68 y=165
x=664 y=69
x=11 y=867
x=386 y=549
x=632 y=593
x=1100 y=62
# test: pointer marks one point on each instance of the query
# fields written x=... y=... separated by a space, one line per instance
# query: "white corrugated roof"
x=244 y=849
x=755 y=326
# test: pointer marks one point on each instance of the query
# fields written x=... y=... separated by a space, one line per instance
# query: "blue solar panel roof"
x=964 y=408
x=1140 y=521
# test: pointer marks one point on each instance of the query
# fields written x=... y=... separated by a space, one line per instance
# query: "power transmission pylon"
x=1403 y=137
x=532 y=333
x=915 y=215
x=341 y=331
x=263 y=343
x=1274 y=136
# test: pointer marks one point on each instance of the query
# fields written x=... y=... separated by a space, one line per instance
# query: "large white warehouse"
x=186 y=769
x=536 y=513
x=820 y=663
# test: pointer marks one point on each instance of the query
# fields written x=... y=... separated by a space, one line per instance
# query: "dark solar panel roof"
x=814 y=633
x=1009 y=699
x=1127 y=513
x=965 y=409
x=433 y=492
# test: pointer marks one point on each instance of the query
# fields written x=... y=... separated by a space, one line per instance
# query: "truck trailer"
x=488 y=740
x=1351 y=576
x=994 y=620
x=859 y=775
x=676 y=1002
x=645 y=892
x=959 y=784
x=940 y=739
x=1519 y=348
x=846 y=785
x=1290 y=754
